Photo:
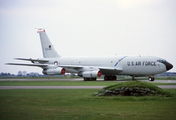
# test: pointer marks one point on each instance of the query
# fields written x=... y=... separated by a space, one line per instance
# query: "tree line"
x=19 y=73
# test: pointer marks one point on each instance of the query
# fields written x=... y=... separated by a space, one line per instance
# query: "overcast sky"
x=87 y=28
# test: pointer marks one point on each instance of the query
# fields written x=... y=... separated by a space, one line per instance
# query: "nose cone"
x=168 y=66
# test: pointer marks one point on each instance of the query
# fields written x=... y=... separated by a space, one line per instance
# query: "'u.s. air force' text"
x=141 y=63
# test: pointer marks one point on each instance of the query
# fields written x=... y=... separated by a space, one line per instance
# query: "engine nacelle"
x=90 y=74
x=56 y=71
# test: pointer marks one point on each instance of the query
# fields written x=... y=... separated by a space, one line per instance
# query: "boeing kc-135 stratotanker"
x=92 y=67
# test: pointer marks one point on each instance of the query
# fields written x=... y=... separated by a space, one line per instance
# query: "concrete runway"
x=76 y=87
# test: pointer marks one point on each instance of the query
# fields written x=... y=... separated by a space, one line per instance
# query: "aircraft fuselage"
x=130 y=65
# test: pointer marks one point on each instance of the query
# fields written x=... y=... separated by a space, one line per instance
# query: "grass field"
x=74 y=104
x=80 y=104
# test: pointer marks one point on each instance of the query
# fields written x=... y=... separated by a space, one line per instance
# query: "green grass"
x=75 y=104
x=133 y=84
x=139 y=84
x=55 y=83
x=65 y=83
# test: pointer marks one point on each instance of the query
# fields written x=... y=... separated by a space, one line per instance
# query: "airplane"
x=92 y=67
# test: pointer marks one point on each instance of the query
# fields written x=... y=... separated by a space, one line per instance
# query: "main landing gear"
x=150 y=78
x=90 y=79
x=133 y=78
x=109 y=77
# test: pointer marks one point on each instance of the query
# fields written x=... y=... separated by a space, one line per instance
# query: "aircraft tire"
x=90 y=79
x=151 y=78
x=114 y=78
x=109 y=77
x=105 y=77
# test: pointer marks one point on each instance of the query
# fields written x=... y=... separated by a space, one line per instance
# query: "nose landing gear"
x=151 y=78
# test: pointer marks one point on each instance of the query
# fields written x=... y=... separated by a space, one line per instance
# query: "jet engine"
x=90 y=74
x=56 y=71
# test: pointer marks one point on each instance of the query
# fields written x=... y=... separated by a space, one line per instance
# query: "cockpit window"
x=161 y=60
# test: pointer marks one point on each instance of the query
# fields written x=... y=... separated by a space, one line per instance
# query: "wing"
x=110 y=70
x=104 y=70
x=71 y=66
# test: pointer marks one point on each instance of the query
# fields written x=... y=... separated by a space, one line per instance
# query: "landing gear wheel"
x=109 y=77
x=133 y=78
x=90 y=79
x=105 y=77
x=151 y=78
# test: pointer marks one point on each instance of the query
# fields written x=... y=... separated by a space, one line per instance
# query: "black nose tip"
x=169 y=66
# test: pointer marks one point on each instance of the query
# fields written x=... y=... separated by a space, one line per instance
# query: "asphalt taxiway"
x=71 y=87
x=156 y=81
x=76 y=87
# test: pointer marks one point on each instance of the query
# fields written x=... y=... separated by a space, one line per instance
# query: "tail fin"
x=47 y=48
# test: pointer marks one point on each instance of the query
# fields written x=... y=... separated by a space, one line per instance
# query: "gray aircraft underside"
x=92 y=67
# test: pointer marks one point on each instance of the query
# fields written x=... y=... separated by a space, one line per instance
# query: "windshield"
x=161 y=61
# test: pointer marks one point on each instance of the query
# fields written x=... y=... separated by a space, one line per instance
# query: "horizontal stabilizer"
x=30 y=59
x=36 y=65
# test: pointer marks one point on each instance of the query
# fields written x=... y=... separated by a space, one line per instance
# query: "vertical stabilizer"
x=47 y=48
